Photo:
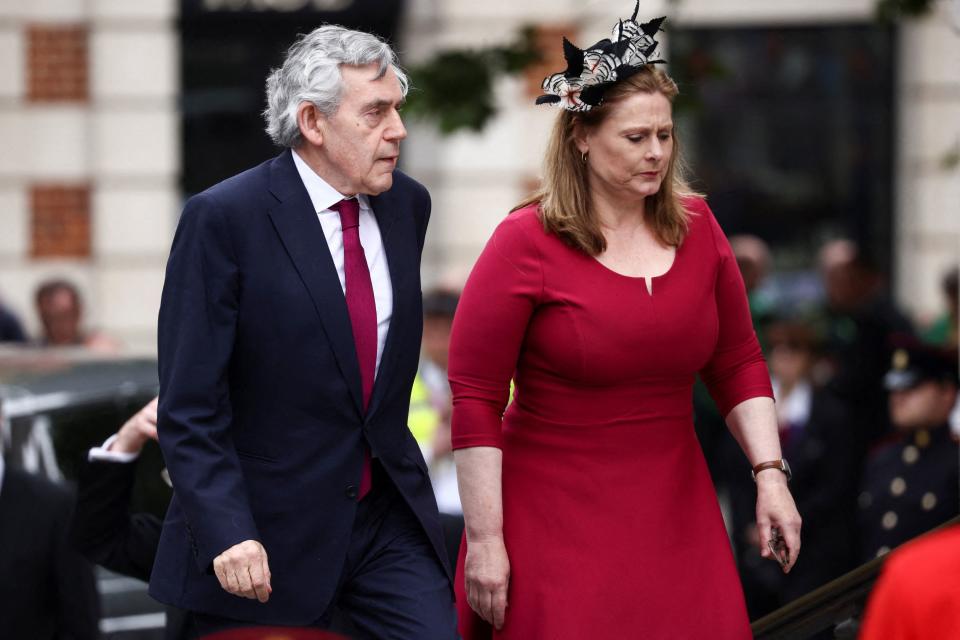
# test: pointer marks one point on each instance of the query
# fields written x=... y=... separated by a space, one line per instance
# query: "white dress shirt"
x=1 y=470
x=794 y=408
x=104 y=454
x=323 y=196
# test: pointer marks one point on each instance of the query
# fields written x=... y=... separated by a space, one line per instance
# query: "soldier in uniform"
x=911 y=484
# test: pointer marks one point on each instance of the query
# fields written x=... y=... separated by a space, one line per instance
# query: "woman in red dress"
x=589 y=509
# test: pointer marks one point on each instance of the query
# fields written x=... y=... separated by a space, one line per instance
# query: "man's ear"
x=311 y=123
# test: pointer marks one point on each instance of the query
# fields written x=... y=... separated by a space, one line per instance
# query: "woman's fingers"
x=472 y=597
x=778 y=523
x=791 y=534
x=498 y=604
x=478 y=599
x=485 y=602
x=487 y=571
x=487 y=599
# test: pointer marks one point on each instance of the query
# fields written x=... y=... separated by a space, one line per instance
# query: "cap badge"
x=900 y=359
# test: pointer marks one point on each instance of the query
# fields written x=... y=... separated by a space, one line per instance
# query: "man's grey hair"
x=311 y=73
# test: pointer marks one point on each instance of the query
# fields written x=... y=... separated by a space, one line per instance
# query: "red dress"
x=610 y=518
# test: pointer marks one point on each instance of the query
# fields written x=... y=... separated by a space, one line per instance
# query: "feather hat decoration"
x=591 y=71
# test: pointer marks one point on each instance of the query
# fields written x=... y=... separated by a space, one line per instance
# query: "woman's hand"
x=487 y=571
x=775 y=508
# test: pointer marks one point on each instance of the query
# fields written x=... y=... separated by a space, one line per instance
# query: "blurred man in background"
x=47 y=590
x=60 y=309
x=755 y=262
x=911 y=485
x=430 y=409
x=858 y=322
x=430 y=402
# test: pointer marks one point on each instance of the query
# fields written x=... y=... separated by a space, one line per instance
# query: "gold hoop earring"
x=583 y=157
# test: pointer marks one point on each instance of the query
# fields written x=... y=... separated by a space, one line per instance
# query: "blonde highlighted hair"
x=564 y=201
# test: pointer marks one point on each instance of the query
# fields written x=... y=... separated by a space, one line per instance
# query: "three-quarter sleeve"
x=737 y=370
x=500 y=296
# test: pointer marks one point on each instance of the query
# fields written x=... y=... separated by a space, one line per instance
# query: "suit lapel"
x=386 y=212
x=300 y=231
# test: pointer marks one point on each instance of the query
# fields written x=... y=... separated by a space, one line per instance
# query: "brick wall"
x=57 y=72
x=57 y=63
x=81 y=197
x=549 y=42
x=60 y=221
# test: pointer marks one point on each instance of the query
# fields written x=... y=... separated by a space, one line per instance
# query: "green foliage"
x=454 y=89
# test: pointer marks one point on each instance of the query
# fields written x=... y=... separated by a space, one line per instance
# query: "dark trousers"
x=392 y=585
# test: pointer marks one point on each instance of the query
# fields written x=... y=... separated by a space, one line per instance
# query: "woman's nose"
x=655 y=150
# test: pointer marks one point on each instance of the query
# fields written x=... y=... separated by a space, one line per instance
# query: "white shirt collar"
x=795 y=406
x=322 y=195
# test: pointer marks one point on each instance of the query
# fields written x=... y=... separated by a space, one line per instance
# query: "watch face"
x=781 y=465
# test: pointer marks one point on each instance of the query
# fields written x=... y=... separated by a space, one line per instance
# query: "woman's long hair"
x=564 y=194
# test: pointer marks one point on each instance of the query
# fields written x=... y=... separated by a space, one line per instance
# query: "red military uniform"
x=918 y=593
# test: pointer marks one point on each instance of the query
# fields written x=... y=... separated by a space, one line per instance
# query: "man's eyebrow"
x=380 y=103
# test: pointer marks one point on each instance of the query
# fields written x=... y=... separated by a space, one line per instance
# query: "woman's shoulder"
x=517 y=241
x=522 y=225
x=522 y=233
x=526 y=217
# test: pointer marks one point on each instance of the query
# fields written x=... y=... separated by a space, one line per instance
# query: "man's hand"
x=137 y=430
x=243 y=571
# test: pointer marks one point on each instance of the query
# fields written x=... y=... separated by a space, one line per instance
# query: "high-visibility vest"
x=424 y=419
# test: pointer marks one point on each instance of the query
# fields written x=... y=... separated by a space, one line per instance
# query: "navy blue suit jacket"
x=260 y=415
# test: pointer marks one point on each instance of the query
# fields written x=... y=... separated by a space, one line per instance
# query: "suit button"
x=351 y=492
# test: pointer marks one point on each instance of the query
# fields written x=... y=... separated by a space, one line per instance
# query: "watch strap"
x=780 y=465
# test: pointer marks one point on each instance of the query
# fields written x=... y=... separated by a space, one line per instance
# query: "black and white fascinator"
x=591 y=71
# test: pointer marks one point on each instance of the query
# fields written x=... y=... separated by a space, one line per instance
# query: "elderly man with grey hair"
x=289 y=336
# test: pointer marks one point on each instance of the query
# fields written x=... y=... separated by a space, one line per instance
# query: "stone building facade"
x=90 y=134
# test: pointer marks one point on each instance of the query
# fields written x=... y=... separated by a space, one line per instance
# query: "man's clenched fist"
x=243 y=570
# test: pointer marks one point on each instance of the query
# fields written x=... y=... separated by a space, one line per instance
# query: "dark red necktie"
x=363 y=312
